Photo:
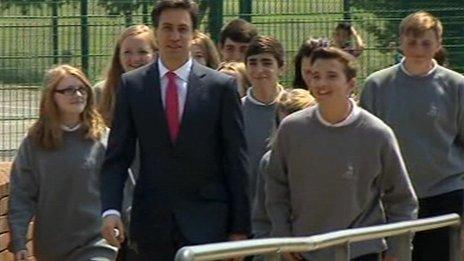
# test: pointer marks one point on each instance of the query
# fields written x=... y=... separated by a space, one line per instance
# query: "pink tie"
x=172 y=106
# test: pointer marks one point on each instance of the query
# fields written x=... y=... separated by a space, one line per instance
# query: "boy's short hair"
x=417 y=23
x=238 y=30
x=266 y=44
x=348 y=60
x=187 y=5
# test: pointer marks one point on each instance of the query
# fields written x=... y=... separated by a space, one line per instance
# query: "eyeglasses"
x=71 y=91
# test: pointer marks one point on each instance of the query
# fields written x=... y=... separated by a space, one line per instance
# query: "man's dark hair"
x=187 y=5
x=238 y=30
x=266 y=44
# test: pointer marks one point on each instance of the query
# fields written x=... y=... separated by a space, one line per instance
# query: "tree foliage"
x=25 y=6
x=387 y=15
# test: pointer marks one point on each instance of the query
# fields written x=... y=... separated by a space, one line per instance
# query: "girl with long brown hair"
x=135 y=47
x=54 y=179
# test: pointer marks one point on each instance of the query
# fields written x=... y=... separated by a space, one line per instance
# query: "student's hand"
x=390 y=258
x=293 y=256
x=237 y=237
x=113 y=230
x=21 y=255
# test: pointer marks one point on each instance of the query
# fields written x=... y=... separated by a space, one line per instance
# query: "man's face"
x=422 y=47
x=232 y=51
x=174 y=34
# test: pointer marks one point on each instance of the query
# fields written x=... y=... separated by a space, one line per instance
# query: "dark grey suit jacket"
x=199 y=184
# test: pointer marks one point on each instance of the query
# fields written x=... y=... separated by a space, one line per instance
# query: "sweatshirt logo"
x=433 y=111
x=349 y=173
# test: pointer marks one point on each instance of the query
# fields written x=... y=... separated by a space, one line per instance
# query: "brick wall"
x=6 y=255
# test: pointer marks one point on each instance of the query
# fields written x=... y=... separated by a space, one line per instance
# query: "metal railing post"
x=455 y=243
x=215 y=19
x=404 y=247
x=342 y=252
x=246 y=8
x=85 y=35
x=55 y=35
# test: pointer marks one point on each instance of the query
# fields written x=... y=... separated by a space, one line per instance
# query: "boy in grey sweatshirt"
x=335 y=166
x=424 y=105
x=264 y=63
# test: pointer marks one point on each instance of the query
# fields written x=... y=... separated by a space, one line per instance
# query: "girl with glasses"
x=54 y=179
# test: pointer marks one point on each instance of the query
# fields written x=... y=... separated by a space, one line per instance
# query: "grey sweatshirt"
x=259 y=218
x=60 y=189
x=427 y=115
x=259 y=120
x=323 y=179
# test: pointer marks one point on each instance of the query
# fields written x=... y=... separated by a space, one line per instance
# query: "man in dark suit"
x=188 y=123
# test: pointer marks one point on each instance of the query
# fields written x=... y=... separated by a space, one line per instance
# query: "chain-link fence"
x=34 y=35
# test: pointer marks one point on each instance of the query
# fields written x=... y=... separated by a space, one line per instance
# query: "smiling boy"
x=264 y=65
x=336 y=166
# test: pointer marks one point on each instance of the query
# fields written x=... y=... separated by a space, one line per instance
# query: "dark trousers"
x=434 y=244
x=368 y=257
x=161 y=251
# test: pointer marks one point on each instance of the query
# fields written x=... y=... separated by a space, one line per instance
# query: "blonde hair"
x=46 y=131
x=211 y=52
x=239 y=68
x=288 y=102
x=293 y=100
x=419 y=22
x=115 y=70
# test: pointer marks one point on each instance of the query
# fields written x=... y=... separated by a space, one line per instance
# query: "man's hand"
x=113 y=230
x=21 y=255
x=237 y=237
x=293 y=256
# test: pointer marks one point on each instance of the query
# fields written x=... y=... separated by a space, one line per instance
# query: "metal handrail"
x=340 y=238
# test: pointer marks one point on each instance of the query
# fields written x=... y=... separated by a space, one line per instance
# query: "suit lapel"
x=192 y=100
x=152 y=99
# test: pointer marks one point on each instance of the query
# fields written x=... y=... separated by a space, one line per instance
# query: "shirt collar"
x=69 y=129
x=250 y=97
x=354 y=115
x=182 y=72
x=403 y=68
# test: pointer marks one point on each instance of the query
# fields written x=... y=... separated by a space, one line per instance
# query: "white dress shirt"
x=182 y=75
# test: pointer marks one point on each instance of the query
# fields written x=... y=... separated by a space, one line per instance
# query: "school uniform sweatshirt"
x=259 y=218
x=259 y=121
x=325 y=178
x=427 y=115
x=60 y=189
